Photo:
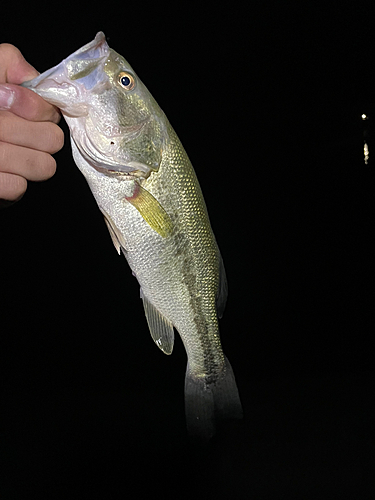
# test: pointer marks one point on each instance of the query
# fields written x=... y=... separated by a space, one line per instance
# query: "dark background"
x=267 y=101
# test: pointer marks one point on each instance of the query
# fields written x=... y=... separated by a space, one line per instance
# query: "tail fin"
x=206 y=403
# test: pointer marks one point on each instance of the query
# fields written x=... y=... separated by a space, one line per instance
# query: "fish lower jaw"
x=127 y=174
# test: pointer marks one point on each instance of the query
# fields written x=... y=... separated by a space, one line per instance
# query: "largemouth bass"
x=147 y=190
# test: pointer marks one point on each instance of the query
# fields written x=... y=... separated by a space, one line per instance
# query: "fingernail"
x=6 y=97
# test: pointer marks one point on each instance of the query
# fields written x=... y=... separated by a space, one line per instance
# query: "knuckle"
x=2 y=124
x=59 y=138
x=9 y=126
x=46 y=167
x=4 y=154
x=56 y=115
x=55 y=138
x=9 y=50
x=23 y=163
x=29 y=105
x=19 y=186
x=32 y=107
x=12 y=186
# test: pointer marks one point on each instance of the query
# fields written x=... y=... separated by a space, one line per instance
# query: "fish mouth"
x=67 y=84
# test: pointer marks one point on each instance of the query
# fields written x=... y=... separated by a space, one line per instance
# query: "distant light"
x=366 y=153
x=364 y=116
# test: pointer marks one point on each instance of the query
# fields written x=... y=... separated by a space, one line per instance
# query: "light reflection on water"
x=366 y=153
x=366 y=135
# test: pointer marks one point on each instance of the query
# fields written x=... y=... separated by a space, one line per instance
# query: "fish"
x=148 y=192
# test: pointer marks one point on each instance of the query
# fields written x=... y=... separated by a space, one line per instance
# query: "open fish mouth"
x=66 y=84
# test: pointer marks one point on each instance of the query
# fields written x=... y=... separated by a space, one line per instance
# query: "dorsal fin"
x=161 y=329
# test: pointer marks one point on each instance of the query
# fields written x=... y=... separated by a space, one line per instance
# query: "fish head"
x=114 y=121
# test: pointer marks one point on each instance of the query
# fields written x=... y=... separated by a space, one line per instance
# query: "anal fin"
x=161 y=329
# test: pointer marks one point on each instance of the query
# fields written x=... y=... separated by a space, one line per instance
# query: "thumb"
x=14 y=69
x=13 y=66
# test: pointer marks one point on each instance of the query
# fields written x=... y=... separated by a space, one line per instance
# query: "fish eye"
x=126 y=80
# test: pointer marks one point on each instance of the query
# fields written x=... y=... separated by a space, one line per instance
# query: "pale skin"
x=29 y=133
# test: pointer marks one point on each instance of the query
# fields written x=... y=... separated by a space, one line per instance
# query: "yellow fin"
x=151 y=210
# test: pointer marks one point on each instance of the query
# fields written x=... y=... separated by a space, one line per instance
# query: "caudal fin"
x=207 y=403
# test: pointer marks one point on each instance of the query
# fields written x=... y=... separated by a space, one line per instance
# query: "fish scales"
x=200 y=263
x=148 y=192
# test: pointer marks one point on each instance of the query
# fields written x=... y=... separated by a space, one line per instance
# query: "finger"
x=28 y=163
x=25 y=103
x=44 y=136
x=14 y=68
x=12 y=187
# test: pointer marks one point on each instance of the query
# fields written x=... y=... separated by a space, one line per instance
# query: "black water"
x=269 y=109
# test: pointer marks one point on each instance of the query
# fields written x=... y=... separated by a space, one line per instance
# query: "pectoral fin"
x=151 y=210
x=116 y=236
x=161 y=329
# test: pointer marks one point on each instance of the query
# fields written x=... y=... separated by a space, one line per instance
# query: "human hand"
x=29 y=133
